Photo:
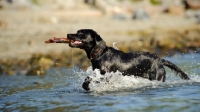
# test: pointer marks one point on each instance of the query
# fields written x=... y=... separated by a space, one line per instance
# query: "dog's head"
x=88 y=40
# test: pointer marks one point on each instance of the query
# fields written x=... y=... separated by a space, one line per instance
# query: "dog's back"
x=142 y=64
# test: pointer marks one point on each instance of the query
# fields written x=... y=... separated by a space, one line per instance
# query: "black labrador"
x=108 y=59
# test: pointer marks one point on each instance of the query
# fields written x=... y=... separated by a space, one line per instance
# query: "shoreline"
x=39 y=63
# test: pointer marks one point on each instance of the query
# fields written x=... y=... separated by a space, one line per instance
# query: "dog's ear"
x=99 y=44
x=98 y=40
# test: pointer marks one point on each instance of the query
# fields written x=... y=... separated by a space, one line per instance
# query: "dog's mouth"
x=75 y=43
x=75 y=40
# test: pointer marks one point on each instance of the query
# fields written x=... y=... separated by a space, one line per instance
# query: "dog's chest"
x=101 y=65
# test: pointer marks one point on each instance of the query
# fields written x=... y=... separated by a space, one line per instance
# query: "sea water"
x=60 y=90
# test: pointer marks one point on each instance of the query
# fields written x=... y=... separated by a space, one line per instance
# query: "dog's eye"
x=80 y=33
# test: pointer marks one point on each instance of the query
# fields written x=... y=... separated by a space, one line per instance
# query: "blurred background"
x=160 y=26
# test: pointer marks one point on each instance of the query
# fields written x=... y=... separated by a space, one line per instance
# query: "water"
x=60 y=90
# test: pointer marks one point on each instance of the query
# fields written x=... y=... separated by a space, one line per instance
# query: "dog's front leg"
x=85 y=84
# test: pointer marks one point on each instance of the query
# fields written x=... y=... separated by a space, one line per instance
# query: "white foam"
x=117 y=82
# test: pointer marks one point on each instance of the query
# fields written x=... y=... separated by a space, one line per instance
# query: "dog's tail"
x=176 y=69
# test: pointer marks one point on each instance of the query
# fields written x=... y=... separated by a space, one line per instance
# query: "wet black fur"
x=108 y=59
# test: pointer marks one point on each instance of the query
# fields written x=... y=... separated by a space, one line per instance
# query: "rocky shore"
x=134 y=25
x=185 y=40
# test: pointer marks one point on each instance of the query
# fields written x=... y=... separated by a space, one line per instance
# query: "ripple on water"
x=61 y=90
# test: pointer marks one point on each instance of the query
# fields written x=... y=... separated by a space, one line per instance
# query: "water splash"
x=116 y=82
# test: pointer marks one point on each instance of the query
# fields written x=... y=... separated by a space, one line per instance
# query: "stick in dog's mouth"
x=59 y=40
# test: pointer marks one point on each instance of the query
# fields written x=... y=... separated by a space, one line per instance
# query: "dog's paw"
x=85 y=84
x=88 y=79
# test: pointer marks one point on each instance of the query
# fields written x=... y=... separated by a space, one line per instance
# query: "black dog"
x=108 y=59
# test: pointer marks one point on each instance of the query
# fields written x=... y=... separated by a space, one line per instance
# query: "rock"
x=176 y=10
x=174 y=7
x=90 y=2
x=193 y=14
x=1 y=70
x=17 y=4
x=140 y=14
x=39 y=64
x=45 y=62
x=119 y=17
x=3 y=24
x=197 y=16
x=36 y=71
x=192 y=4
